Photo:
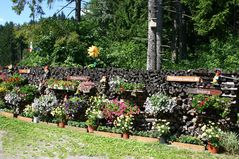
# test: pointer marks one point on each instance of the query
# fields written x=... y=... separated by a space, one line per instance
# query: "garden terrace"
x=149 y=103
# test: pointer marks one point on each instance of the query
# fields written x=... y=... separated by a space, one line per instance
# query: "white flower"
x=203 y=128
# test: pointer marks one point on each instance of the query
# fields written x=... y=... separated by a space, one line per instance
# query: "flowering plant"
x=221 y=104
x=159 y=103
x=14 y=100
x=62 y=84
x=119 y=85
x=15 y=79
x=93 y=116
x=124 y=123
x=94 y=113
x=3 y=90
x=28 y=111
x=44 y=104
x=115 y=108
x=73 y=105
x=211 y=133
x=59 y=113
x=93 y=51
x=200 y=102
x=162 y=126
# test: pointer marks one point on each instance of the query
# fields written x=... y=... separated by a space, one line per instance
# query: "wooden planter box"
x=62 y=88
x=7 y=114
x=144 y=139
x=188 y=146
x=107 y=134
x=26 y=119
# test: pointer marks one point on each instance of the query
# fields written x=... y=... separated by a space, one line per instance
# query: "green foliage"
x=230 y=142
x=202 y=102
x=28 y=92
x=208 y=16
x=2 y=104
x=124 y=123
x=212 y=134
x=28 y=111
x=9 y=45
x=55 y=45
x=76 y=124
x=121 y=31
x=189 y=139
x=154 y=134
x=108 y=129
x=162 y=126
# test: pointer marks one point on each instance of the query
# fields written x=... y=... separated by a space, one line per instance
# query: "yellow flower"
x=93 y=51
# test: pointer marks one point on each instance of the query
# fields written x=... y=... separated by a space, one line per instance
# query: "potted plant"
x=159 y=103
x=14 y=100
x=35 y=113
x=60 y=114
x=93 y=116
x=75 y=107
x=125 y=124
x=163 y=128
x=44 y=105
x=94 y=113
x=211 y=133
x=28 y=92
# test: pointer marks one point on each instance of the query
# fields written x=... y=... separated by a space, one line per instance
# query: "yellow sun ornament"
x=93 y=51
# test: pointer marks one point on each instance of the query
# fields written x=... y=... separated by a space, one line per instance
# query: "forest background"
x=195 y=34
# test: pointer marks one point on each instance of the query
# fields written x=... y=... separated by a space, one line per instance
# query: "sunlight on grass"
x=29 y=140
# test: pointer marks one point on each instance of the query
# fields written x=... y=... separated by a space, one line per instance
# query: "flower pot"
x=35 y=119
x=61 y=124
x=162 y=140
x=212 y=149
x=125 y=135
x=90 y=129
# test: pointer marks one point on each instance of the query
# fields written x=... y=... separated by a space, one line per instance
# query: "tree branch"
x=64 y=7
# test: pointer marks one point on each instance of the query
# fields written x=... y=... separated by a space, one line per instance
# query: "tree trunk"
x=159 y=32
x=151 y=53
x=78 y=10
x=178 y=42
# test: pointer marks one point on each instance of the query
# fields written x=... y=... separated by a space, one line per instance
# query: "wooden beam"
x=183 y=79
x=22 y=71
x=79 y=78
x=203 y=91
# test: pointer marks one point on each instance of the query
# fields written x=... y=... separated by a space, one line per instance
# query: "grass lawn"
x=29 y=140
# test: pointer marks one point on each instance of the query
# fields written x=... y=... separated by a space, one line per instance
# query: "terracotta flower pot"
x=125 y=135
x=90 y=129
x=61 y=124
x=212 y=149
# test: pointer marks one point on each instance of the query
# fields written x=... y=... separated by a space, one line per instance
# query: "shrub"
x=2 y=104
x=76 y=124
x=159 y=103
x=230 y=142
x=189 y=139
x=202 y=102
x=28 y=92
x=28 y=111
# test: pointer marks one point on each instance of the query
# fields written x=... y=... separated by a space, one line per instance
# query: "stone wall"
x=155 y=81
